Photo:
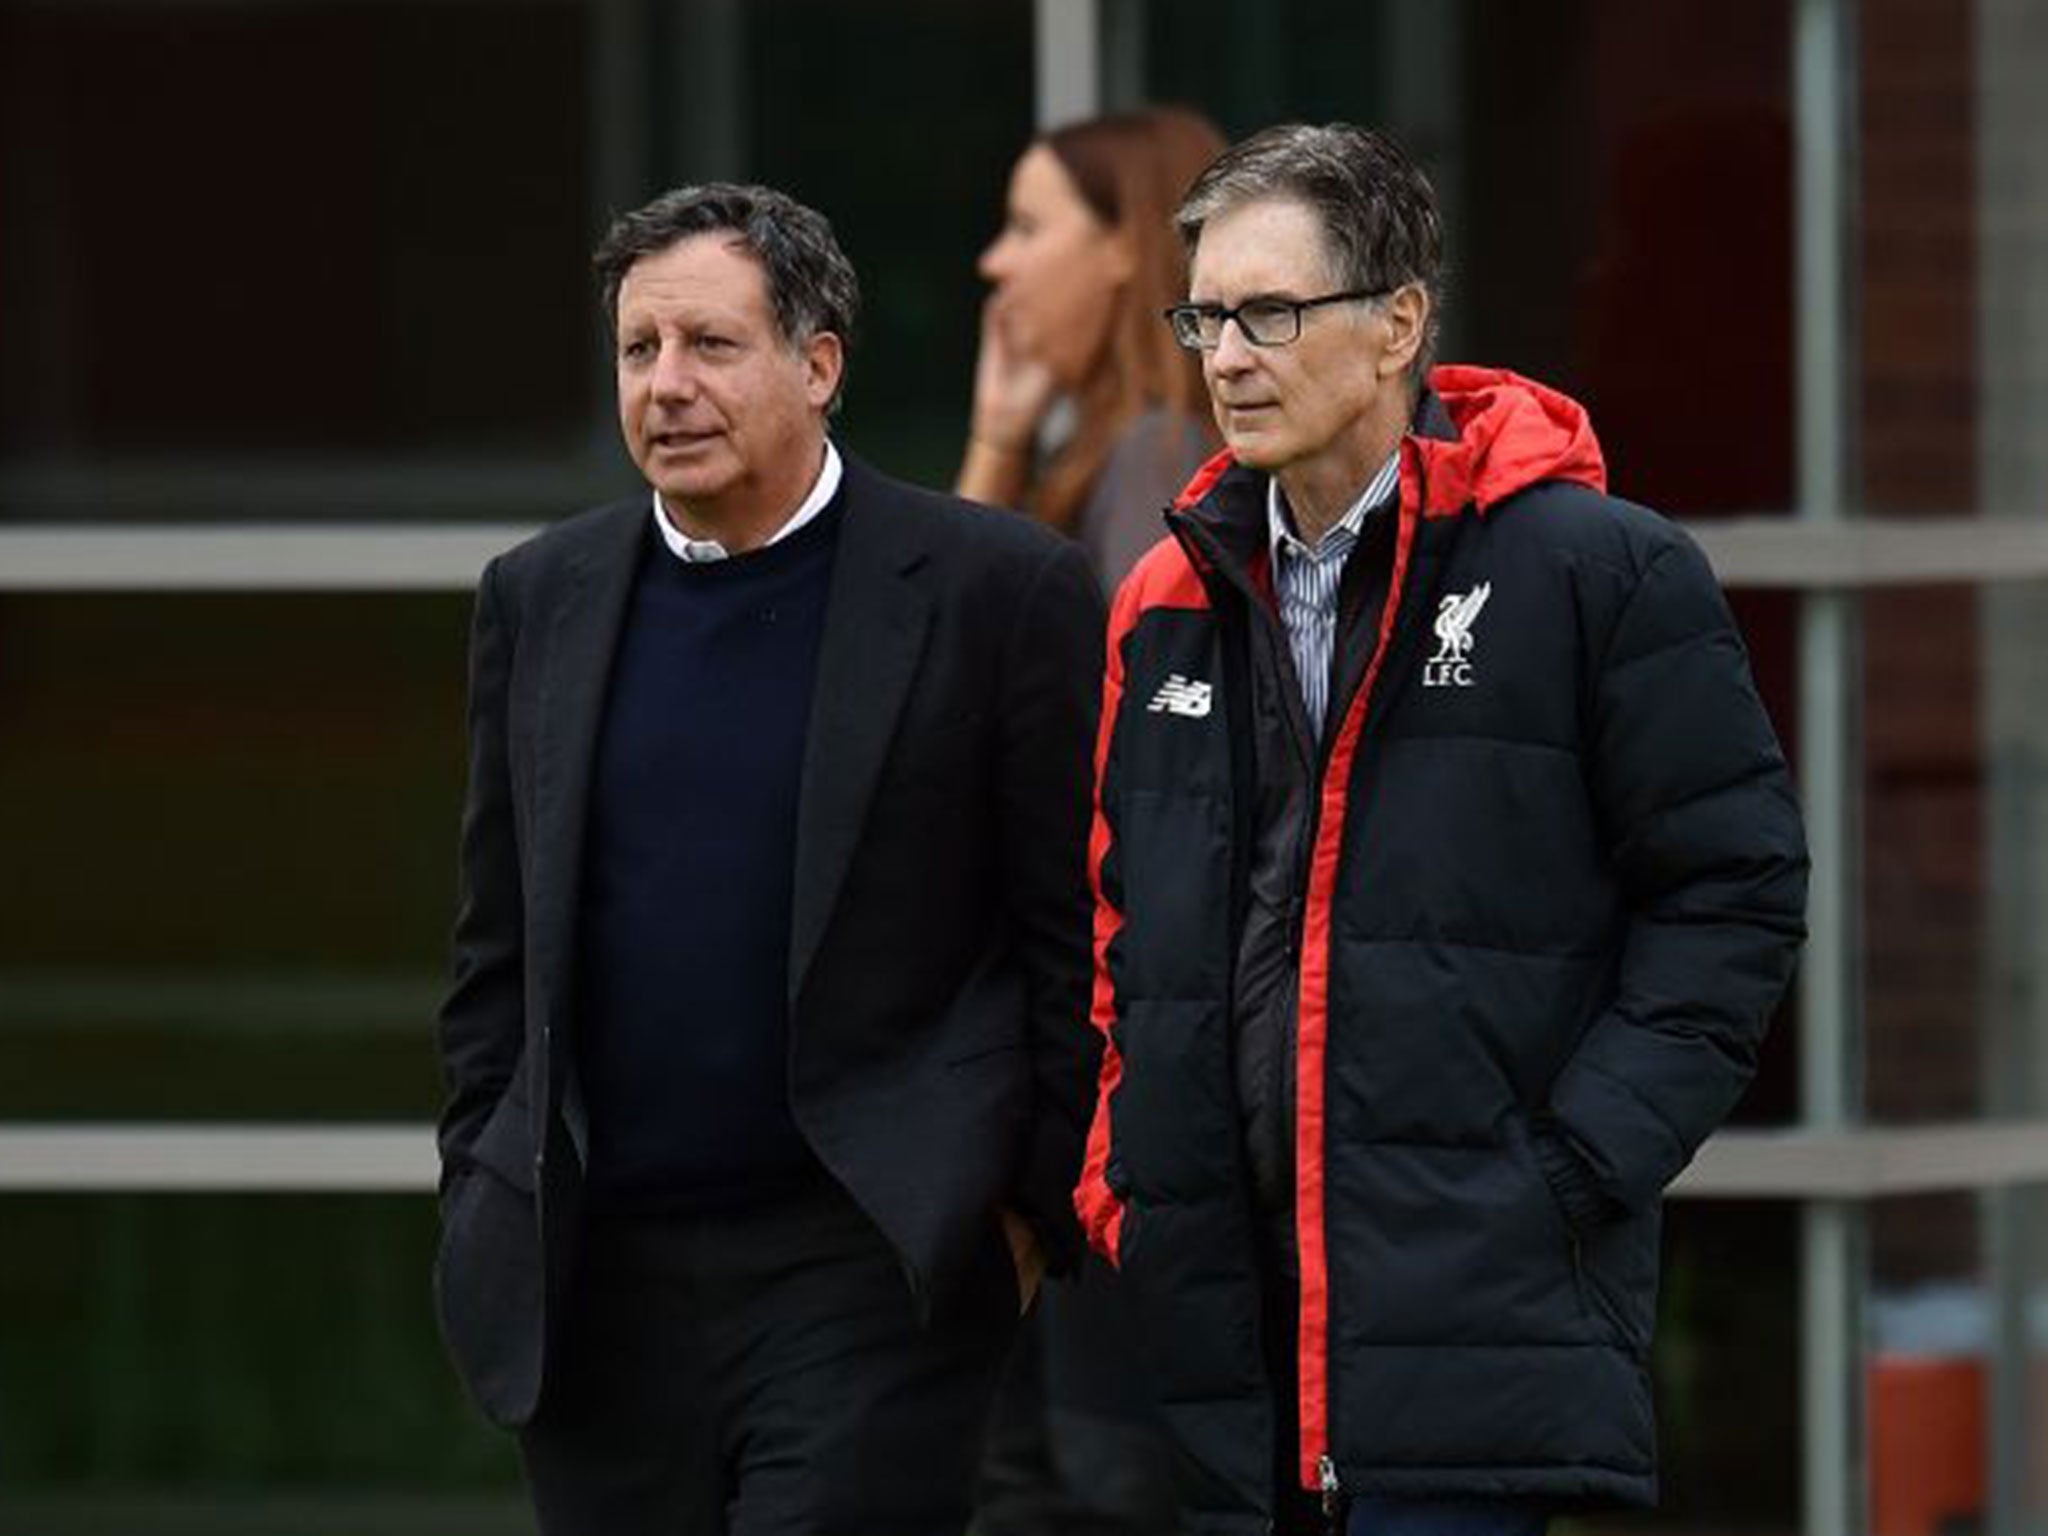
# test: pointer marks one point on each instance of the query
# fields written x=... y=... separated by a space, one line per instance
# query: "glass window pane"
x=234 y=1364
x=228 y=825
x=1955 y=852
x=2007 y=183
x=1957 y=1376
x=2019 y=1408
x=1913 y=253
x=2013 y=641
x=913 y=202
x=1769 y=622
x=1926 y=1377
x=1727 y=1374
x=297 y=261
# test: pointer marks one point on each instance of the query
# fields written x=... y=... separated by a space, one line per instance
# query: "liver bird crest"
x=1454 y=618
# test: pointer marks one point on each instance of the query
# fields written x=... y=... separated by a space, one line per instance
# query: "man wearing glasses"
x=1447 y=872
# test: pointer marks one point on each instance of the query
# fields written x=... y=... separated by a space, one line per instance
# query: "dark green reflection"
x=187 y=1348
x=229 y=830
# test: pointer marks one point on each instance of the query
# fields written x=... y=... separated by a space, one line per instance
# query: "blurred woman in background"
x=1090 y=417
x=1086 y=413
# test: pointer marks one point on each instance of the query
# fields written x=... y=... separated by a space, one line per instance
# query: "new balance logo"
x=1451 y=666
x=1181 y=696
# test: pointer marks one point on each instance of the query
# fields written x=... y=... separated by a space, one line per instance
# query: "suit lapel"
x=583 y=635
x=876 y=616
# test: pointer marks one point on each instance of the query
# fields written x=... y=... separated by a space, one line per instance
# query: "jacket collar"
x=877 y=613
x=1477 y=436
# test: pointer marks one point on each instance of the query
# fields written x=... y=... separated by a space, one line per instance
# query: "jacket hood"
x=1479 y=436
x=1506 y=433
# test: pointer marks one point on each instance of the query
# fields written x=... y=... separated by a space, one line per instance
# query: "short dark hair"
x=1381 y=227
x=811 y=284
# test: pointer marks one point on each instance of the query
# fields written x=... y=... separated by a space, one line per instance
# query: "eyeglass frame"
x=1224 y=315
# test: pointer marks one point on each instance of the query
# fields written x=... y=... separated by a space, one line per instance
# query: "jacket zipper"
x=1407 y=532
x=1319 y=755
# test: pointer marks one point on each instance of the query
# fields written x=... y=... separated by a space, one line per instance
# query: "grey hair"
x=1378 y=212
x=811 y=284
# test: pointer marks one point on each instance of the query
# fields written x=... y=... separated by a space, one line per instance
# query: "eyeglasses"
x=1264 y=322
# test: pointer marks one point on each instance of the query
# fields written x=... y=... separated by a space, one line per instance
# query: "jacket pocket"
x=1621 y=1260
x=1566 y=1247
x=487 y=1283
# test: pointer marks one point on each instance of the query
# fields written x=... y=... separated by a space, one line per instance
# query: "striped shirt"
x=1305 y=580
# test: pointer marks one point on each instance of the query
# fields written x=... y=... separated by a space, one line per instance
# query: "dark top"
x=684 y=1036
x=1125 y=513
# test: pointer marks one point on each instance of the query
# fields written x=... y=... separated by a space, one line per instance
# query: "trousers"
x=765 y=1372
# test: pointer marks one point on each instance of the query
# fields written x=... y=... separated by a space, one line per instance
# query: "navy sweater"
x=689 y=858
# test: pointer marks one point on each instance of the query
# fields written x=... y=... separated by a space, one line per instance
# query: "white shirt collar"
x=696 y=551
x=1280 y=532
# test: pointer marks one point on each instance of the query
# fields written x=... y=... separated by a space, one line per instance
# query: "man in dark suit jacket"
x=766 y=1051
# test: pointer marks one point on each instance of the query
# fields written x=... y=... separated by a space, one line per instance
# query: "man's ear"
x=1405 y=312
x=824 y=366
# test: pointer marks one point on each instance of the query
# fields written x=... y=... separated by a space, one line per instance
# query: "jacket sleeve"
x=1703 y=830
x=481 y=1025
x=1052 y=673
x=1100 y=1206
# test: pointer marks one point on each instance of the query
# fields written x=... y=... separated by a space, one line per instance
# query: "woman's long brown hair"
x=1131 y=169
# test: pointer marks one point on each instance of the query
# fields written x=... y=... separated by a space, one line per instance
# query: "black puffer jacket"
x=1544 y=886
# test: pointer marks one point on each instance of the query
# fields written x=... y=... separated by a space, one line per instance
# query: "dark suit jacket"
x=941 y=1064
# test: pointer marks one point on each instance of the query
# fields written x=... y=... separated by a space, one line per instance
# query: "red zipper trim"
x=1312 y=1025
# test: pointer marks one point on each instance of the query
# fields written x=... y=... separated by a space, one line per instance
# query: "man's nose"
x=673 y=374
x=1232 y=352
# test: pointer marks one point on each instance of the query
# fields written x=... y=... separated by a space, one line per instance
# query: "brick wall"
x=1924 y=806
